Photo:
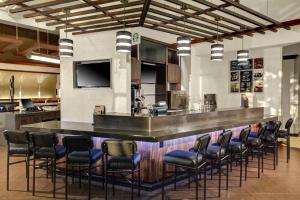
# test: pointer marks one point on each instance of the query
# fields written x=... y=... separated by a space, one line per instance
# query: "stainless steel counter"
x=156 y=128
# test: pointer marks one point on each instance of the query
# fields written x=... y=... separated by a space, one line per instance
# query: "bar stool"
x=219 y=152
x=285 y=134
x=18 y=145
x=269 y=139
x=45 y=147
x=80 y=153
x=121 y=156
x=238 y=150
x=255 y=146
x=194 y=160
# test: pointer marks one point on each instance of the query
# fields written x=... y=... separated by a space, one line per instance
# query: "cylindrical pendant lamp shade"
x=123 y=43
x=243 y=56
x=65 y=48
x=184 y=46
x=217 y=52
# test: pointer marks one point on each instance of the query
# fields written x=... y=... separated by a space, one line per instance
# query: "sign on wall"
x=247 y=77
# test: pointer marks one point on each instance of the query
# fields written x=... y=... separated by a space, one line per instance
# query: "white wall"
x=213 y=77
x=78 y=104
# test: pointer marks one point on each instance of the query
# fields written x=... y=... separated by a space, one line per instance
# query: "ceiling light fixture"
x=43 y=58
x=65 y=44
x=243 y=55
x=184 y=43
x=40 y=56
x=217 y=50
x=123 y=38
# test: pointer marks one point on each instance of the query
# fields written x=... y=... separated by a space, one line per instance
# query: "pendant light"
x=184 y=44
x=243 y=55
x=38 y=56
x=123 y=43
x=217 y=50
x=65 y=44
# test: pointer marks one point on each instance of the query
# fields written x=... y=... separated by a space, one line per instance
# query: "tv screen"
x=92 y=74
x=148 y=74
x=27 y=103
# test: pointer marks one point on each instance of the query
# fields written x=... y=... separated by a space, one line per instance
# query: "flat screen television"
x=148 y=74
x=90 y=74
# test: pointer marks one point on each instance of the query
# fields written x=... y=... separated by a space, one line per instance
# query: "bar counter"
x=159 y=128
x=157 y=135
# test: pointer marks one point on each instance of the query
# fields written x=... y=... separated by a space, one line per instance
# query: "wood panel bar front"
x=155 y=142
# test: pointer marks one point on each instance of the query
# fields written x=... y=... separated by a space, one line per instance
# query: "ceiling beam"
x=90 y=11
x=40 y=5
x=209 y=27
x=234 y=14
x=181 y=30
x=70 y=8
x=290 y=23
x=107 y=13
x=171 y=32
x=105 y=29
x=91 y=17
x=112 y=23
x=253 y=12
x=169 y=8
x=200 y=11
x=144 y=12
x=37 y=46
x=13 y=2
x=194 y=28
x=99 y=21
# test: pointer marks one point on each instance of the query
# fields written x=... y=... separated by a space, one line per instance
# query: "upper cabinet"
x=174 y=73
x=153 y=51
x=135 y=69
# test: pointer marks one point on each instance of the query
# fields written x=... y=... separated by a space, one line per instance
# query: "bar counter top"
x=182 y=128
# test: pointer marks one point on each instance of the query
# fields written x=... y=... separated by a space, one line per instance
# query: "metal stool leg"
x=33 y=177
x=241 y=169
x=7 y=172
x=175 y=178
x=139 y=177
x=27 y=171
x=163 y=182
x=54 y=176
x=66 y=181
x=90 y=176
x=196 y=182
x=219 y=168
x=227 y=173
x=132 y=182
x=205 y=182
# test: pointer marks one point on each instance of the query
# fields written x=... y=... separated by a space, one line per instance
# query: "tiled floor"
x=284 y=183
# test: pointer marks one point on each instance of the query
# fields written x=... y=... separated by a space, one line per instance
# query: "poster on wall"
x=246 y=81
x=258 y=86
x=258 y=63
x=234 y=65
x=234 y=76
x=234 y=87
x=258 y=74
x=247 y=66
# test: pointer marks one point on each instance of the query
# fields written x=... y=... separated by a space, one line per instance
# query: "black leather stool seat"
x=49 y=152
x=282 y=133
x=236 y=146
x=124 y=163
x=215 y=151
x=20 y=149
x=254 y=141
x=83 y=156
x=180 y=157
x=253 y=134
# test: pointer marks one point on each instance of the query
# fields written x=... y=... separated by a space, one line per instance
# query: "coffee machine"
x=210 y=101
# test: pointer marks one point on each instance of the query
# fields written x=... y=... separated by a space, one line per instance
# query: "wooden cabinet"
x=174 y=73
x=135 y=69
x=35 y=117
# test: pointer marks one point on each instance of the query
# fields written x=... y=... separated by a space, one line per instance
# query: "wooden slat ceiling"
x=200 y=19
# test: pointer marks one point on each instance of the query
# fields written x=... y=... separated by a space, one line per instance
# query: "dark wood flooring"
x=282 y=184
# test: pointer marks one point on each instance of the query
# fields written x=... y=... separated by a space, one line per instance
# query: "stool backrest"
x=16 y=137
x=77 y=143
x=262 y=130
x=202 y=143
x=244 y=134
x=123 y=148
x=224 y=138
x=40 y=139
x=289 y=123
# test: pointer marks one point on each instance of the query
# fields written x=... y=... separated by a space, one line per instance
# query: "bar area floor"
x=282 y=183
